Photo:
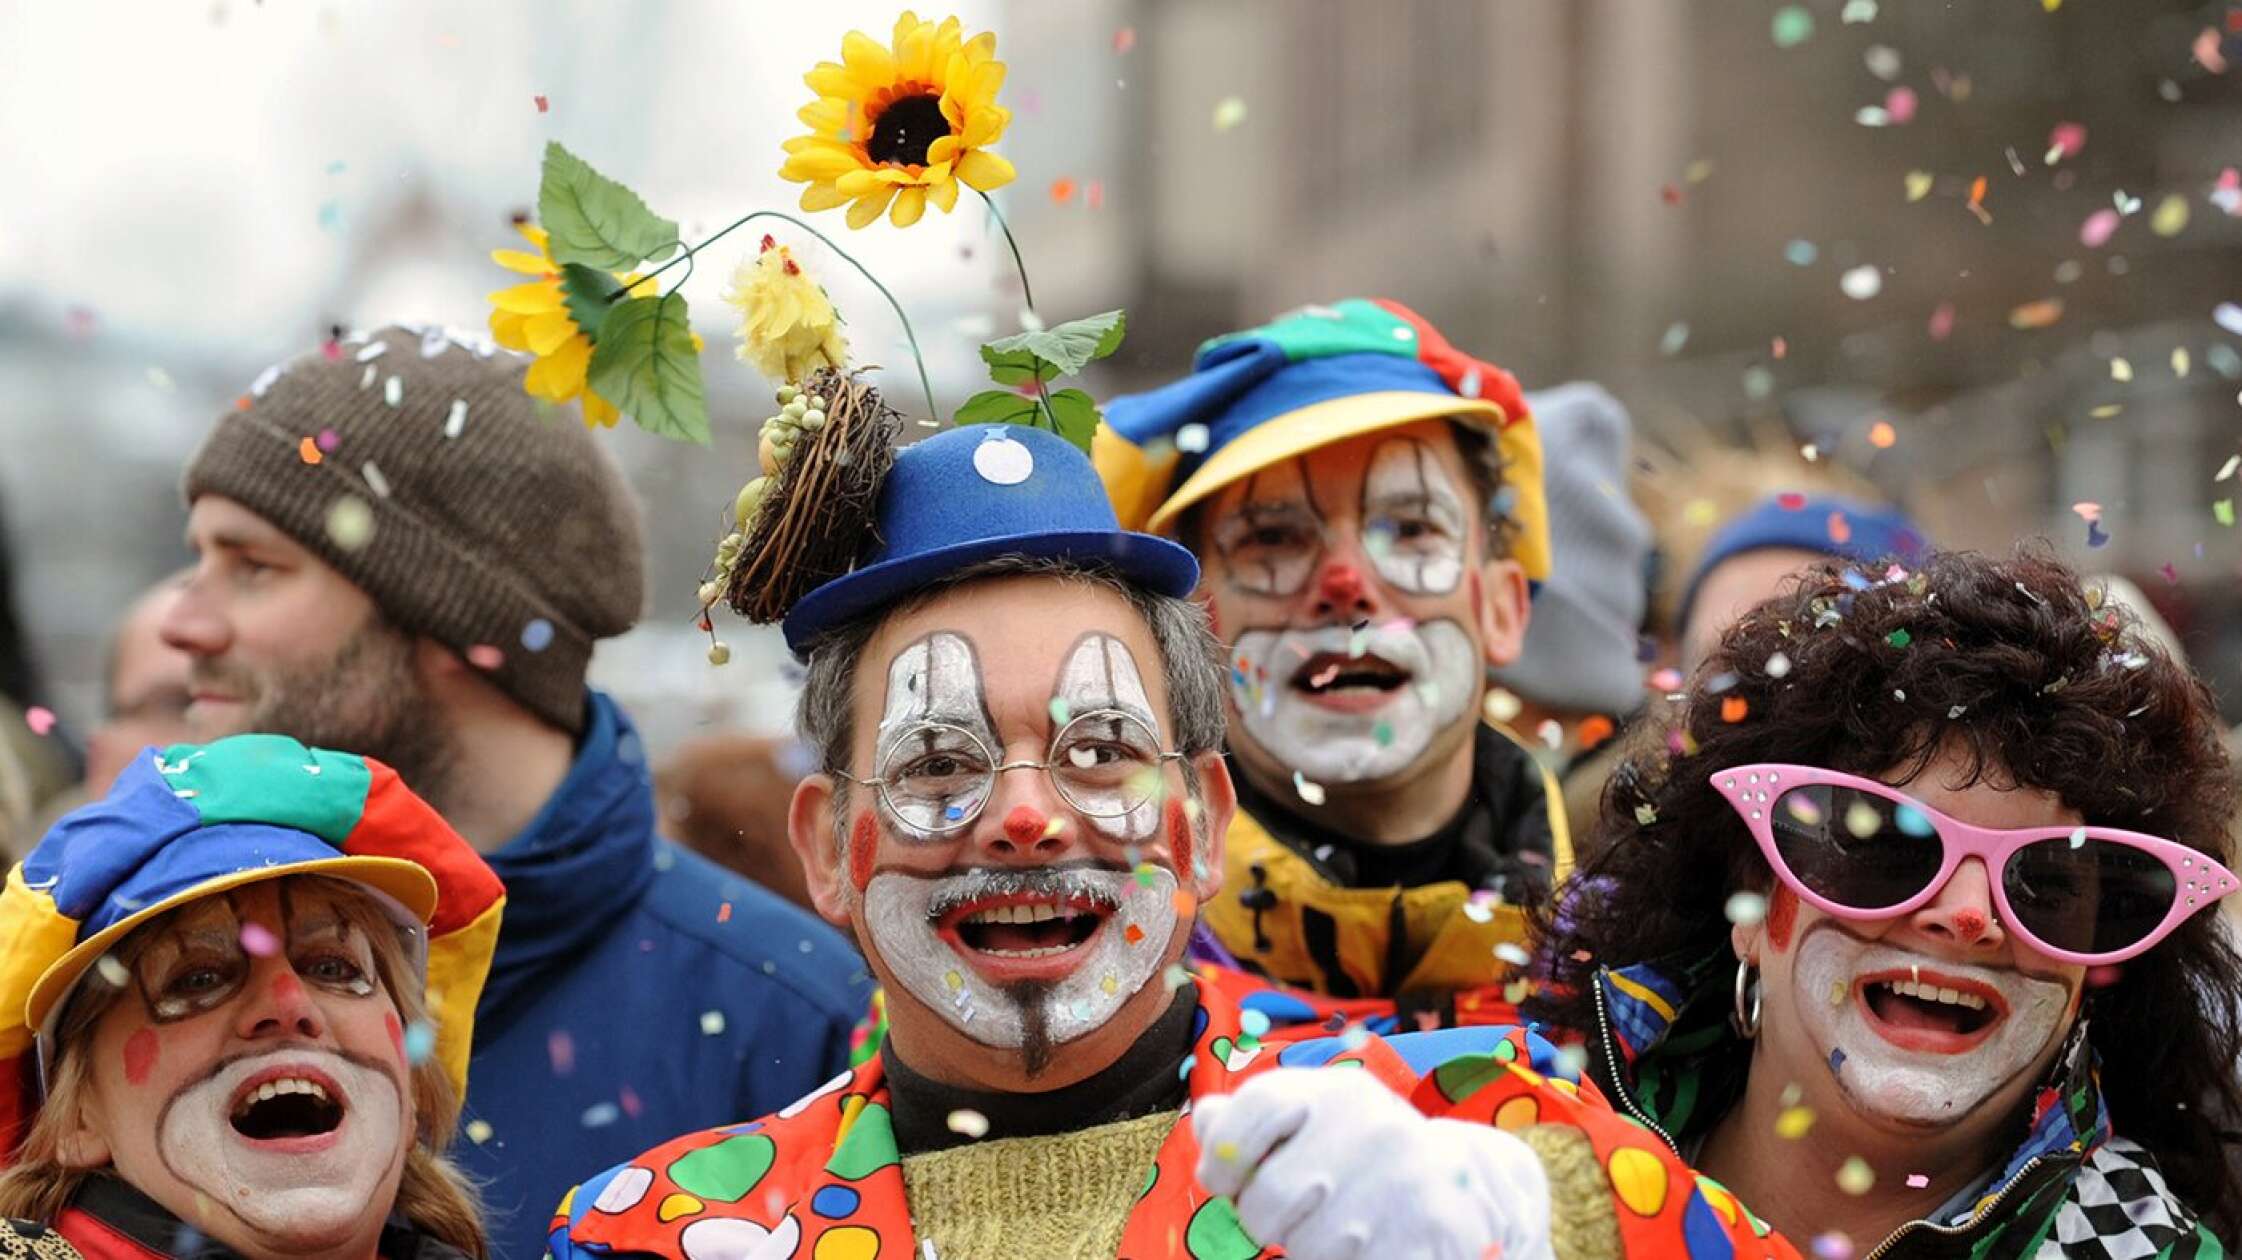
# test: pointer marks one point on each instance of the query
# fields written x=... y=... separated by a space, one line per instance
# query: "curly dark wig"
x=2034 y=679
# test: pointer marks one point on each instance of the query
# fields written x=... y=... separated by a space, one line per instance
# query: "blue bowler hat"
x=977 y=492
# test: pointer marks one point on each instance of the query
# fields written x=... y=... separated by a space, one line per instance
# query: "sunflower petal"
x=534 y=234
x=825 y=115
x=823 y=197
x=548 y=331
x=506 y=330
x=942 y=152
x=909 y=205
x=526 y=263
x=984 y=127
x=821 y=164
x=830 y=79
x=914 y=52
x=598 y=412
x=870 y=62
x=858 y=183
x=943 y=194
x=869 y=206
x=534 y=298
x=953 y=112
x=560 y=375
x=985 y=170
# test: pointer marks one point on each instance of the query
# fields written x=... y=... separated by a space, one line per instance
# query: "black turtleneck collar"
x=1142 y=1081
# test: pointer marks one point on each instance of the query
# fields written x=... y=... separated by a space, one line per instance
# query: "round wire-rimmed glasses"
x=937 y=777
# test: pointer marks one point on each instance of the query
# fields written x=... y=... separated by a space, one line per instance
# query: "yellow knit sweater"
x=1062 y=1197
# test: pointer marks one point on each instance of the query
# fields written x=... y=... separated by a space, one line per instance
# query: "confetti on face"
x=1745 y=908
x=1310 y=792
x=1794 y=1122
x=1855 y=1177
x=419 y=1042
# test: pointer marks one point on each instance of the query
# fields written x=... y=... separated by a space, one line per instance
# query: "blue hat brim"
x=1157 y=564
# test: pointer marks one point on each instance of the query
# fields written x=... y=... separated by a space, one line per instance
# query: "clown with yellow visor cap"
x=1366 y=504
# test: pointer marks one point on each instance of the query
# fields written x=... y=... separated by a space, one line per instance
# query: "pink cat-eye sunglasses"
x=1860 y=849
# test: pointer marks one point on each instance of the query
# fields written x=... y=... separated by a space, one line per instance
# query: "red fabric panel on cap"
x=398 y=824
x=1453 y=365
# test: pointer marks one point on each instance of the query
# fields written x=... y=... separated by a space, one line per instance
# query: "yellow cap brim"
x=1297 y=432
x=407 y=883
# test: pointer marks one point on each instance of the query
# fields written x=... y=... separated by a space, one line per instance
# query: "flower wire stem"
x=1027 y=291
x=917 y=358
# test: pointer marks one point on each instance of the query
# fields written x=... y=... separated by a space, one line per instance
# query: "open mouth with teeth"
x=279 y=1107
x=1340 y=679
x=1030 y=931
x=1923 y=1010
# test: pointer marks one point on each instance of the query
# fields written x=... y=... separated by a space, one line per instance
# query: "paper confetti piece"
x=1124 y=40
x=420 y=1041
x=1794 y=1122
x=1309 y=791
x=1778 y=665
x=1918 y=184
x=456 y=421
x=968 y=1122
x=1942 y=322
x=2222 y=510
x=1745 y=908
x=1062 y=190
x=1881 y=435
x=2228 y=315
x=537 y=635
x=1856 y=1177
x=2121 y=369
x=543 y=106
x=1801 y=253
x=393 y=391
x=1191 y=439
x=39 y=718
x=479 y=1131
x=1793 y=25
x=484 y=656
x=1501 y=705
x=1229 y=113
x=258 y=941
x=308 y=451
x=2038 y=314
x=2170 y=218
x=1916 y=1181
x=600 y=1115
x=1510 y=952
x=1858 y=11
x=1677 y=336
x=1733 y=709
x=2065 y=141
x=2180 y=363
x=1899 y=105
x=2098 y=228
x=1861 y=283
x=350 y=523
x=1834 y=1245
x=1593 y=730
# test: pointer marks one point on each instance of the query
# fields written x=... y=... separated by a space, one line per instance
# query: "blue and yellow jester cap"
x=1320 y=375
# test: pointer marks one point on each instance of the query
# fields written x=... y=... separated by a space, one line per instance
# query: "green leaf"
x=590 y=219
x=1070 y=346
x=1017 y=367
x=1077 y=416
x=997 y=406
x=584 y=291
x=644 y=363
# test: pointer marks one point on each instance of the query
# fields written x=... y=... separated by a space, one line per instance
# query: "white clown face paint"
x=916 y=921
x=1918 y=1086
x=934 y=731
x=1413 y=519
x=1289 y=687
x=294 y=1187
x=1100 y=676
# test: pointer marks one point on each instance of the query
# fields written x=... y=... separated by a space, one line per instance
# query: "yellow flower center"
x=902 y=131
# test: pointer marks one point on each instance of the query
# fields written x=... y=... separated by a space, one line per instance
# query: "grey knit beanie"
x=412 y=462
x=1579 y=655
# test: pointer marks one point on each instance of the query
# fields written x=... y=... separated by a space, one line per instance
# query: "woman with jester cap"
x=245 y=982
x=1906 y=937
x=1365 y=501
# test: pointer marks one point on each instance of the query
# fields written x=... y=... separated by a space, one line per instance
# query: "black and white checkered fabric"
x=2120 y=1208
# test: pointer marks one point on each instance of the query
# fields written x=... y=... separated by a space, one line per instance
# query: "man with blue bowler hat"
x=1020 y=806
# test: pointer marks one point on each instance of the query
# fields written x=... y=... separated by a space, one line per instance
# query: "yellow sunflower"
x=788 y=328
x=899 y=128
x=534 y=318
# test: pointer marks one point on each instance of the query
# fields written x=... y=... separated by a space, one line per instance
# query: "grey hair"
x=1191 y=659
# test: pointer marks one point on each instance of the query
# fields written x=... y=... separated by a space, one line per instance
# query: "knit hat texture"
x=1579 y=655
x=413 y=463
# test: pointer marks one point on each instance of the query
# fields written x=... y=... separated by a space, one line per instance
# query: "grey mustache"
x=1058 y=884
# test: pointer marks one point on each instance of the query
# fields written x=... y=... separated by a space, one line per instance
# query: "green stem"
x=918 y=359
x=1049 y=415
x=1026 y=291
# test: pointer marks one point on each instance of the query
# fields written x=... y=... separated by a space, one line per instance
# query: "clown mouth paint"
x=289 y=1141
x=1911 y=1052
x=999 y=953
x=1347 y=706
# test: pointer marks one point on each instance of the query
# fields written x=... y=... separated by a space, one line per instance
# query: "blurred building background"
x=1755 y=222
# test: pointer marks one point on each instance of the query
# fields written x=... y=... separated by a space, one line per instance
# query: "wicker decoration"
x=817 y=517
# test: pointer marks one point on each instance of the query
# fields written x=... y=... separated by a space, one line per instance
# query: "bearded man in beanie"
x=1365 y=503
x=400 y=556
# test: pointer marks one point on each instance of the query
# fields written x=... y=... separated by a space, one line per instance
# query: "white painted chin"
x=1918 y=1088
x=1329 y=745
x=297 y=1199
x=1111 y=970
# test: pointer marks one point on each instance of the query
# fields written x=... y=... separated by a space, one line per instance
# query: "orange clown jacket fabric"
x=823 y=1179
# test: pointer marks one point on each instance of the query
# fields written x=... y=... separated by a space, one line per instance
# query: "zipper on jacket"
x=1976 y=1218
x=1619 y=1087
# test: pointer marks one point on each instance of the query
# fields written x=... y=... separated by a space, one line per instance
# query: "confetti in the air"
x=39 y=718
x=1745 y=908
x=1862 y=282
x=968 y=1122
x=712 y=1023
x=258 y=941
x=1309 y=790
x=1855 y=1177
x=1793 y=25
x=1229 y=113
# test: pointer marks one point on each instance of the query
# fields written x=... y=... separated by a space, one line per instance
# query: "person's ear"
x=1503 y=604
x=815 y=835
x=1218 y=804
x=84 y=1143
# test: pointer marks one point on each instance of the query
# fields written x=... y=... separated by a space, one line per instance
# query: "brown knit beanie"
x=413 y=463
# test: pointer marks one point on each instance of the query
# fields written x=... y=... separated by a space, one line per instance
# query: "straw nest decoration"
x=817 y=516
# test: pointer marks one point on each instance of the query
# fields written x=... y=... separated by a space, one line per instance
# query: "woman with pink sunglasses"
x=1904 y=935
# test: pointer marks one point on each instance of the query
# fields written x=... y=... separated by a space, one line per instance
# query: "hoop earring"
x=1746 y=1022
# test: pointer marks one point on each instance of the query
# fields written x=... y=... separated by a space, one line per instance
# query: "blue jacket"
x=639 y=991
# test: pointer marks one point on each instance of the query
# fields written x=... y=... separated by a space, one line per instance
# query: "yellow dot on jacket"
x=1639 y=1180
x=677 y=1205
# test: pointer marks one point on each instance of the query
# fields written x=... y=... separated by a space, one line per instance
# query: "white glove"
x=1331 y=1165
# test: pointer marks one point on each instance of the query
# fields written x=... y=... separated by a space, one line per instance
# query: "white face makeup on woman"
x=1354 y=586
x=1020 y=859
x=1933 y=1024
x=252 y=1076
